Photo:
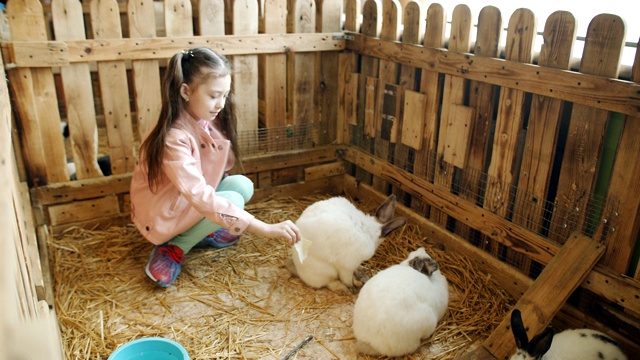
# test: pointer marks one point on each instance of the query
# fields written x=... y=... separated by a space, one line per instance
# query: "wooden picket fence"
x=506 y=149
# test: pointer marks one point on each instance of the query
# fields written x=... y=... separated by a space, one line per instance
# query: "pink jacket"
x=193 y=165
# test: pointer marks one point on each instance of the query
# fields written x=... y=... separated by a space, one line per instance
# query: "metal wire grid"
x=283 y=138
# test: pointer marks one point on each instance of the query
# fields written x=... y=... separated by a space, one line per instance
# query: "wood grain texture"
x=78 y=92
x=146 y=73
x=430 y=85
x=36 y=94
x=549 y=292
x=114 y=90
x=273 y=68
x=245 y=77
x=580 y=162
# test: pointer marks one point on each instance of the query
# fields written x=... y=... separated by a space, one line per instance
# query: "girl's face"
x=205 y=100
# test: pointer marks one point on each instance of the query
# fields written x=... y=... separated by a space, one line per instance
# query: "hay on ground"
x=241 y=302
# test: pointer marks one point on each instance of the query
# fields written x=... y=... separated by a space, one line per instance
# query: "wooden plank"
x=83 y=210
x=178 y=19
x=502 y=172
x=387 y=75
x=454 y=92
x=273 y=85
x=323 y=171
x=481 y=98
x=362 y=133
x=146 y=73
x=601 y=56
x=353 y=15
x=596 y=91
x=624 y=181
x=371 y=92
x=301 y=68
x=245 y=77
x=549 y=292
x=430 y=85
x=458 y=134
x=347 y=95
x=67 y=192
x=114 y=89
x=413 y=122
x=48 y=165
x=35 y=53
x=210 y=14
x=329 y=20
x=78 y=92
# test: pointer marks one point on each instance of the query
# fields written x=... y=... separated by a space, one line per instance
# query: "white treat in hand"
x=302 y=247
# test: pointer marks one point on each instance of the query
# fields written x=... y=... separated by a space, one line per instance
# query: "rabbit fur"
x=342 y=237
x=400 y=306
x=583 y=344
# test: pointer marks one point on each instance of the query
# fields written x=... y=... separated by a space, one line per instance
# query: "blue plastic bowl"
x=152 y=348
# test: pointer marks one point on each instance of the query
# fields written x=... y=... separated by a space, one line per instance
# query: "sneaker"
x=164 y=264
x=219 y=239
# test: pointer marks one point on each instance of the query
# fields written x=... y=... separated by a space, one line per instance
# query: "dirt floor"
x=241 y=302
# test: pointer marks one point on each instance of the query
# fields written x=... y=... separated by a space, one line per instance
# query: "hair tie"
x=186 y=55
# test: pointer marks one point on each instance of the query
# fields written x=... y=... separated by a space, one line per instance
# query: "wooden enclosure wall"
x=503 y=152
x=511 y=155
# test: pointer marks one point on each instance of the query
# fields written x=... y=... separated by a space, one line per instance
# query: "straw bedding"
x=241 y=302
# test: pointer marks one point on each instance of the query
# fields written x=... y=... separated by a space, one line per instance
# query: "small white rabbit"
x=583 y=344
x=342 y=237
x=400 y=306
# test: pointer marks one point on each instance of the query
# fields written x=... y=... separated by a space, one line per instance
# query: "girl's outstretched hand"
x=286 y=229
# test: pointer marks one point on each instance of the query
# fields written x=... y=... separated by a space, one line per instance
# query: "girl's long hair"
x=190 y=67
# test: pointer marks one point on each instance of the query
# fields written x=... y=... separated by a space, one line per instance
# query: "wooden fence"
x=505 y=149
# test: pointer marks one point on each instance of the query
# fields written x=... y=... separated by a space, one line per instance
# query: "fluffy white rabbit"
x=400 y=306
x=342 y=237
x=583 y=344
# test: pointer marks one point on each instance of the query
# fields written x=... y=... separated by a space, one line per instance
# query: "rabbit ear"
x=518 y=330
x=388 y=227
x=541 y=343
x=386 y=210
x=425 y=265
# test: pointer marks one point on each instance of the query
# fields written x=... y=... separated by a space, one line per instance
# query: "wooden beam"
x=596 y=91
x=539 y=304
x=59 y=53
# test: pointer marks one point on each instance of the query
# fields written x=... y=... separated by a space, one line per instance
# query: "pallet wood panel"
x=84 y=210
x=624 y=181
x=543 y=124
x=35 y=90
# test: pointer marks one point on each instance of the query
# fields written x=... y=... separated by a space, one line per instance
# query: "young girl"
x=181 y=190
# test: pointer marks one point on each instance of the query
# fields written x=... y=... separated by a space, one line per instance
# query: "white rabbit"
x=583 y=344
x=342 y=237
x=400 y=306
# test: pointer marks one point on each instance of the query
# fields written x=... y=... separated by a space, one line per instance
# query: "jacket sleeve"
x=183 y=169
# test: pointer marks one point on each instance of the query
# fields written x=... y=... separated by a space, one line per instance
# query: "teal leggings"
x=236 y=188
